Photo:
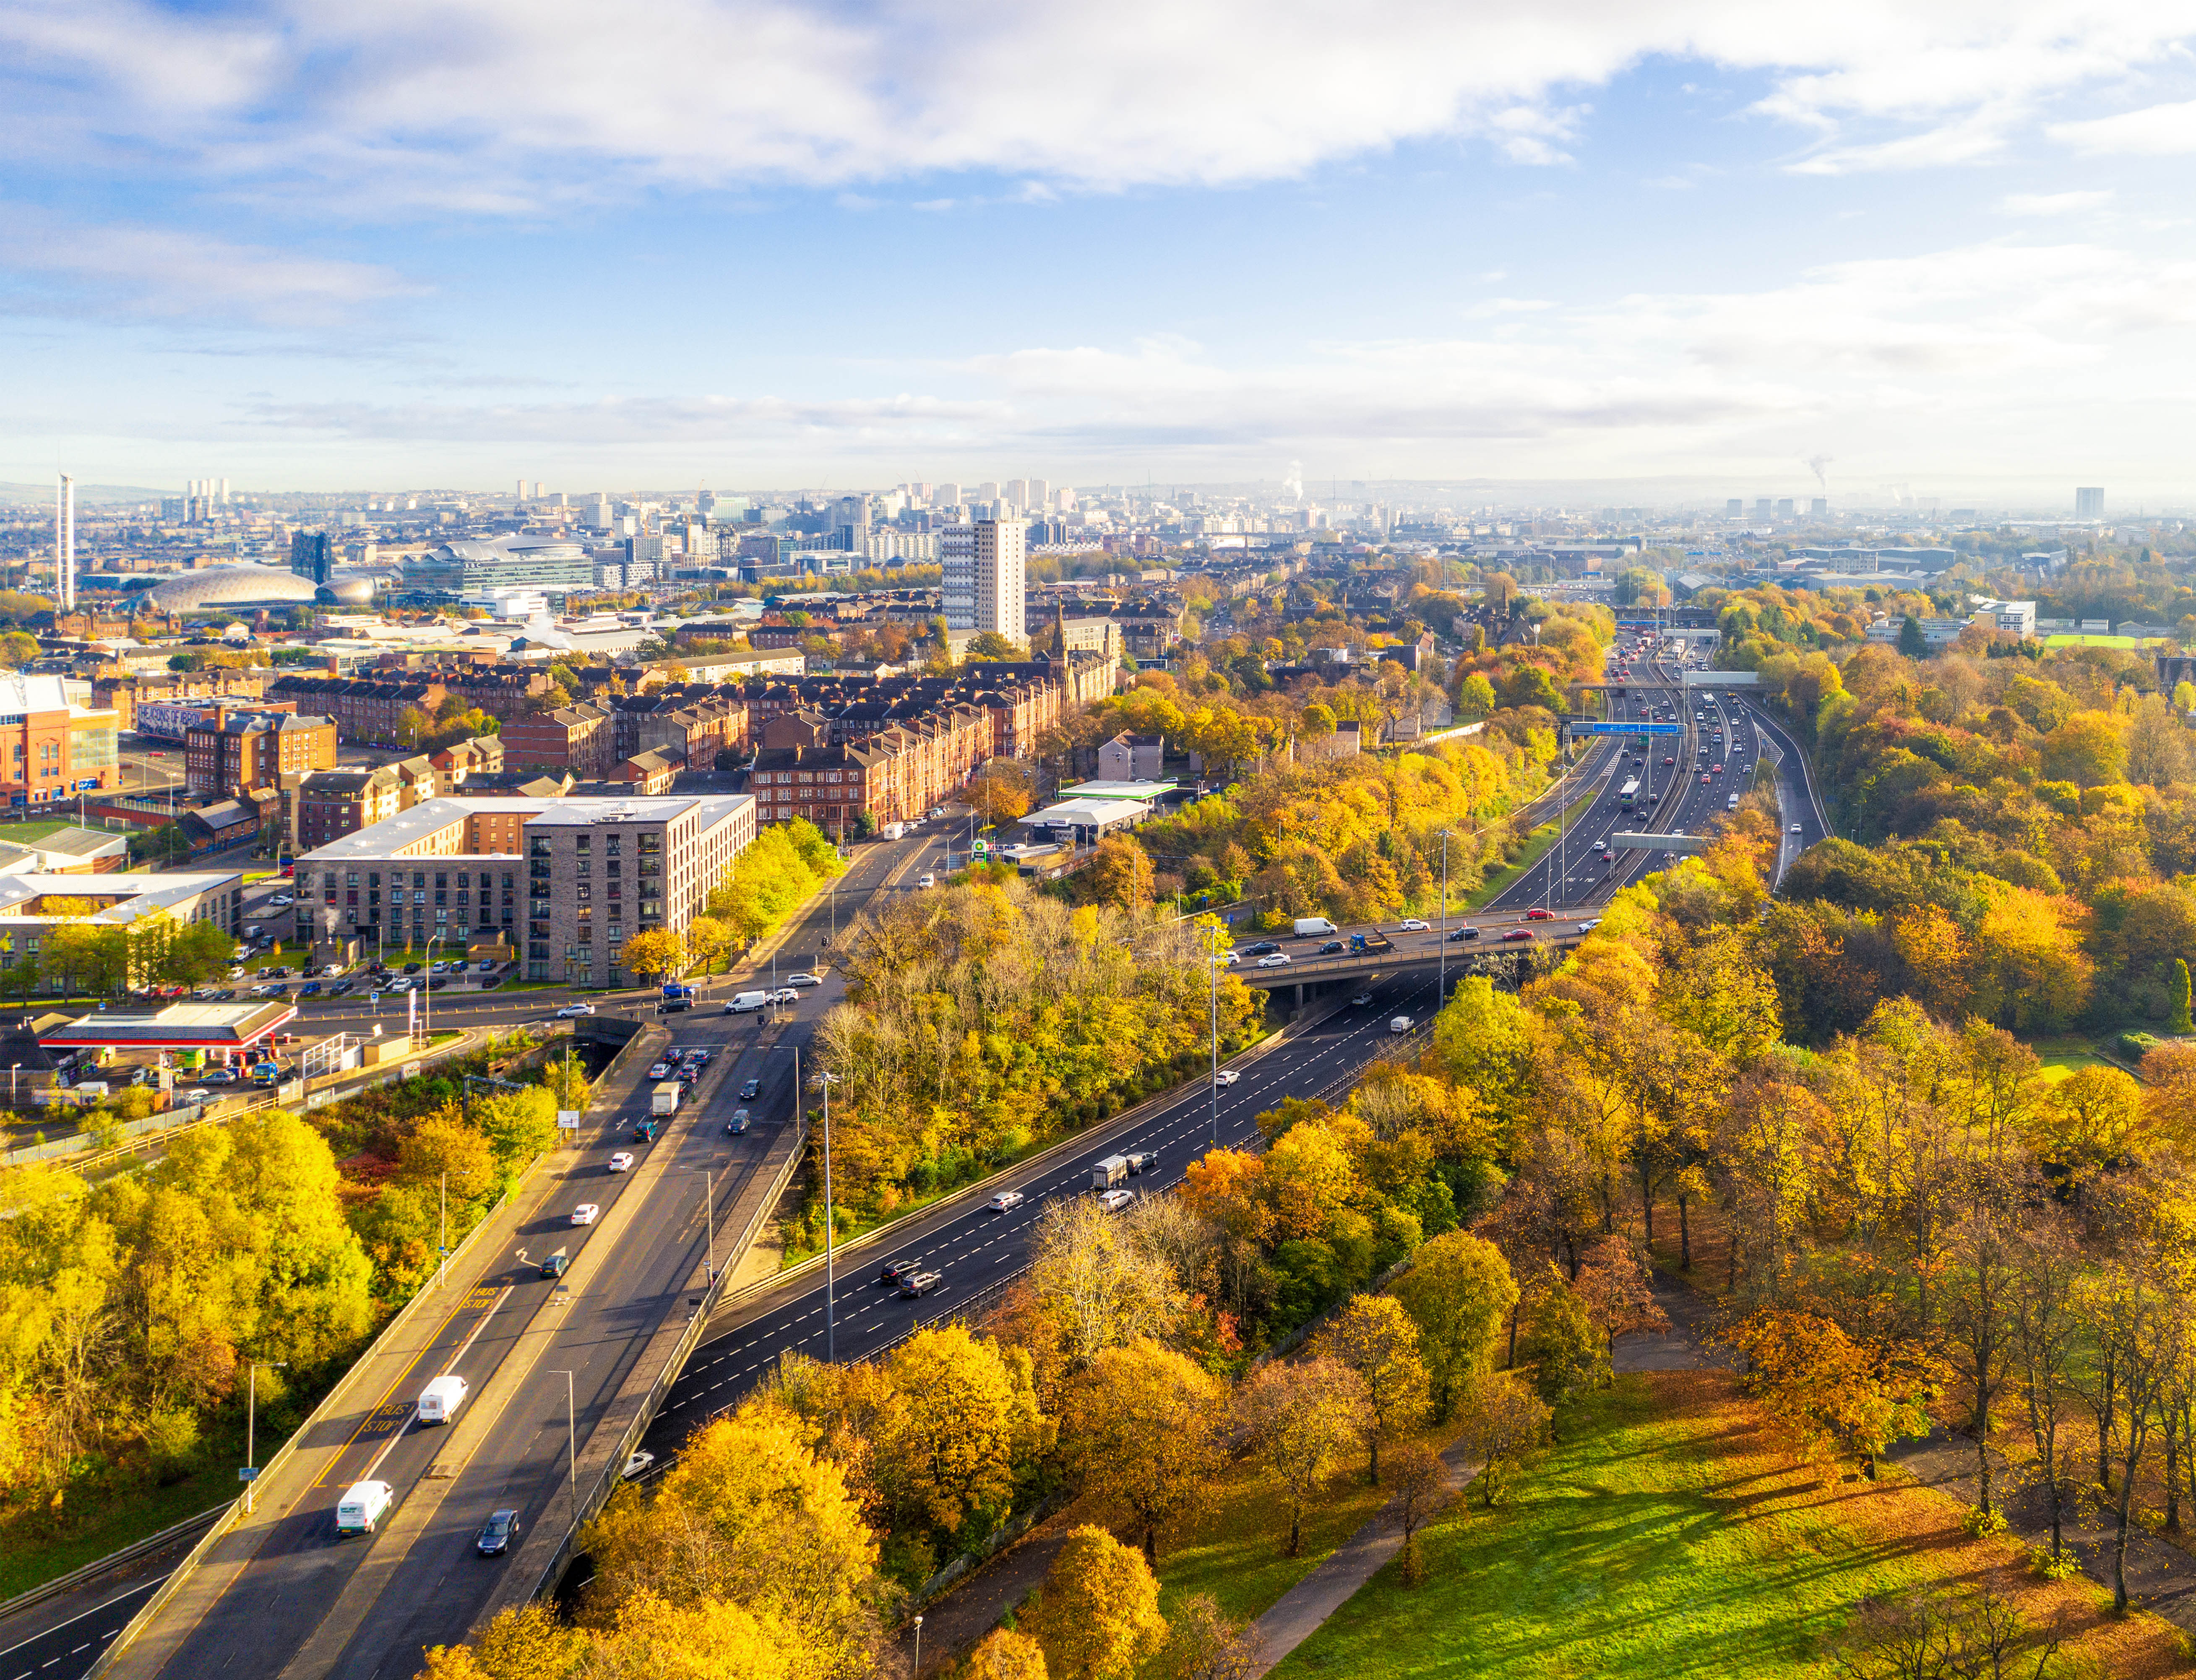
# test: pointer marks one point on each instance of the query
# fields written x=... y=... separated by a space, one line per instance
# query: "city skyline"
x=1675 y=244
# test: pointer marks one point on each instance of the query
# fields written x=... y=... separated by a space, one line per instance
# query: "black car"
x=674 y=1006
x=499 y=1534
x=898 y=1271
x=412 y=967
x=1264 y=947
x=1332 y=947
x=1464 y=933
x=339 y=989
x=919 y=1283
x=751 y=1090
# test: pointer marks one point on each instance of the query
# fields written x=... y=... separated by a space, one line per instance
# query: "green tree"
x=1503 y=1420
x=1458 y=1292
x=85 y=958
x=1560 y=1340
x=2178 y=1021
x=991 y=646
x=1911 y=642
x=1474 y=698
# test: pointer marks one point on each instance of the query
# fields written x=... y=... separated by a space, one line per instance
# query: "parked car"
x=570 y=1011
x=412 y=967
x=1006 y=1201
x=488 y=965
x=621 y=1162
x=586 y=1214
x=340 y=989
x=310 y=989
x=282 y=901
x=498 y=1534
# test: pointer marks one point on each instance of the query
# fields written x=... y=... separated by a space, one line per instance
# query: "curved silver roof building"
x=221 y=588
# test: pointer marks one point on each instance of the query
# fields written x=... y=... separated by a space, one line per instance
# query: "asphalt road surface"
x=975 y=1249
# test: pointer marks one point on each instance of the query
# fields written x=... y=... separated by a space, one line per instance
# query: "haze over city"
x=1668 y=249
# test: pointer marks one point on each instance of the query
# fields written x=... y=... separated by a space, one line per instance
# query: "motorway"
x=293 y=1601
x=977 y=1249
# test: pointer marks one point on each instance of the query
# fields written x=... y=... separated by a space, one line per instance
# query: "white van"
x=1400 y=1024
x=747 y=1003
x=1310 y=926
x=440 y=1399
x=361 y=1507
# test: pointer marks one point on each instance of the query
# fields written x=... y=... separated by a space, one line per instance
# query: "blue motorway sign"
x=1628 y=728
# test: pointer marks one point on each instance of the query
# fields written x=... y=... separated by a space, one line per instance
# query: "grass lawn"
x=1666 y=1534
x=42 y=829
x=1233 y=1551
x=2062 y=1056
x=31 y=1552
x=2130 y=642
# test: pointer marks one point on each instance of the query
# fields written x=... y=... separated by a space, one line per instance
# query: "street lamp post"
x=917 y=1670
x=830 y=1313
x=710 y=1222
x=251 y=1422
x=1212 y=979
x=571 y=1446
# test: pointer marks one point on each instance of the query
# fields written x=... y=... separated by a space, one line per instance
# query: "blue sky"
x=316 y=245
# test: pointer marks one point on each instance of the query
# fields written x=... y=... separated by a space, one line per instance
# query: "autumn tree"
x=1098 y=1616
x=1420 y=1479
x=1503 y=1420
x=1093 y=1284
x=443 y=1153
x=1374 y=1337
x=1006 y=1653
x=1458 y=1292
x=1203 y=1643
x=2048 y=1268
x=1139 y=1431
x=963 y=1415
x=1120 y=874
x=1980 y=1322
x=1001 y=792
x=1567 y=1349
x=1830 y=1395
x=1300 y=1418
x=708 y=941
x=654 y=955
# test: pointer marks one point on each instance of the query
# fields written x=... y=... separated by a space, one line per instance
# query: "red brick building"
x=578 y=738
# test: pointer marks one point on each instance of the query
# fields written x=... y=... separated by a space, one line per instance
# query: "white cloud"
x=2157 y=131
x=2052 y=204
x=493 y=105
x=171 y=275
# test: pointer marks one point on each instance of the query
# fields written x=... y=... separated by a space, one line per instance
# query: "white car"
x=804 y=979
x=926 y=880
x=1227 y=1076
x=1588 y=927
x=1278 y=959
x=1006 y=1201
x=1794 y=830
x=1400 y=1024
x=621 y=1162
x=660 y=1071
x=1114 y=1200
x=785 y=994
x=639 y=1464
x=1231 y=959
x=1362 y=998
x=1411 y=925
x=586 y=1214
x=282 y=901
x=571 y=1010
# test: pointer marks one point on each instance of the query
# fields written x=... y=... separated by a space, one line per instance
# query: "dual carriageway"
x=280 y=1595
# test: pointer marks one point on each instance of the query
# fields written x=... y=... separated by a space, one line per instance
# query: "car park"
x=919 y=1283
x=572 y=1010
x=1006 y=1201
x=586 y=1214
x=498 y=1534
x=621 y=1162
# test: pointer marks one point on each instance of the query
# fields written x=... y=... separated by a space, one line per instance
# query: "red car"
x=1536 y=914
x=1517 y=933
x=1716 y=768
x=1704 y=778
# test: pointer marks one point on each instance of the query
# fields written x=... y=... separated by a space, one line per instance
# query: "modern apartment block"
x=985 y=576
x=571 y=879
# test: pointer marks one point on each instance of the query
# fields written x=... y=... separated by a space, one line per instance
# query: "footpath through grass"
x=1666 y=1534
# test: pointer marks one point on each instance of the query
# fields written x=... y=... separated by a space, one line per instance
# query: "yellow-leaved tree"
x=1099 y=1616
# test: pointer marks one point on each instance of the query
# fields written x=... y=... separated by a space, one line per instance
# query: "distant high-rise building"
x=64 y=545
x=956 y=560
x=1763 y=507
x=225 y=492
x=519 y=493
x=598 y=514
x=1001 y=570
x=1037 y=503
x=312 y=555
x=1018 y=492
x=537 y=490
x=945 y=495
x=1735 y=508
x=1819 y=508
x=2089 y=502
x=988 y=491
x=1784 y=507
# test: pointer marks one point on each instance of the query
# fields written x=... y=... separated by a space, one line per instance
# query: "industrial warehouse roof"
x=1088 y=813
x=1119 y=790
x=180 y=1026
x=102 y=901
